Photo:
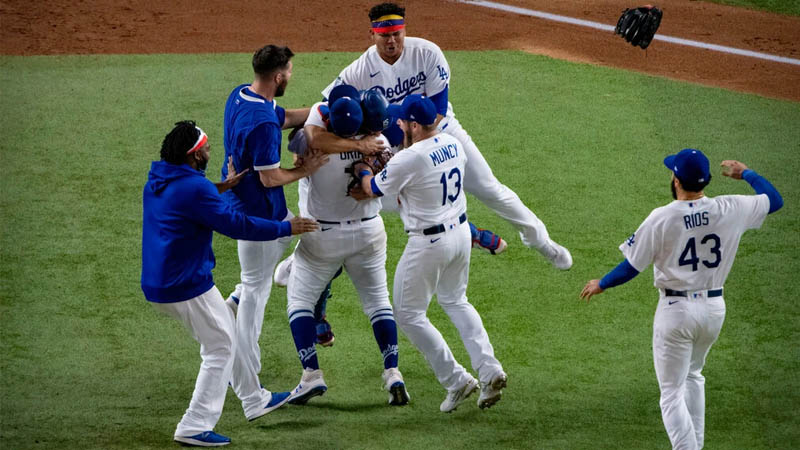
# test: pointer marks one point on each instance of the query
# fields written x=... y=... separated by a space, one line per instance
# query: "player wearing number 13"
x=691 y=243
x=427 y=177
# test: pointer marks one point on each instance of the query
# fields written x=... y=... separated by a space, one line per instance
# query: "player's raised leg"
x=482 y=183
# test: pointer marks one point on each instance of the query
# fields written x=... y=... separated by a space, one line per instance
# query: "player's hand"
x=358 y=193
x=313 y=160
x=370 y=145
x=302 y=225
x=232 y=179
x=592 y=288
x=732 y=168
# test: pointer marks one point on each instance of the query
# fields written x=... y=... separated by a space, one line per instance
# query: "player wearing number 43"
x=691 y=243
x=427 y=178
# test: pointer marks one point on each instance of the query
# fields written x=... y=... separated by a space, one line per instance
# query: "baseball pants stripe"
x=211 y=323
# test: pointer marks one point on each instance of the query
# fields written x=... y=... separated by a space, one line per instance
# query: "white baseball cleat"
x=393 y=382
x=311 y=385
x=233 y=300
x=454 y=398
x=282 y=272
x=492 y=391
x=558 y=255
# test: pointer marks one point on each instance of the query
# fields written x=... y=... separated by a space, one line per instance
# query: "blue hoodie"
x=181 y=209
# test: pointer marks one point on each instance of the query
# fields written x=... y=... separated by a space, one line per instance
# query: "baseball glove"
x=374 y=163
x=639 y=25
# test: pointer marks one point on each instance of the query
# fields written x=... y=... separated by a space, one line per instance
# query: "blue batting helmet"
x=374 y=105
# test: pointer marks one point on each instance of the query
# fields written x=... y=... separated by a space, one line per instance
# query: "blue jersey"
x=252 y=131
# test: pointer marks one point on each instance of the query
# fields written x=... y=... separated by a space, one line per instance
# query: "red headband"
x=201 y=141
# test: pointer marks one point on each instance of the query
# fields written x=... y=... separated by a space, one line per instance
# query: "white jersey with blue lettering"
x=692 y=243
x=421 y=69
x=428 y=179
x=327 y=187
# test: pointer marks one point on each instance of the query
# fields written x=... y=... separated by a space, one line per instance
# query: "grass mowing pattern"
x=87 y=362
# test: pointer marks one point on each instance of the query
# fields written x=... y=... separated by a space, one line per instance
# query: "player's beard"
x=202 y=164
x=672 y=188
x=281 y=88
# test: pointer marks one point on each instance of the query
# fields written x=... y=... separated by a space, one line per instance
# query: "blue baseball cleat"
x=277 y=400
x=486 y=240
x=204 y=439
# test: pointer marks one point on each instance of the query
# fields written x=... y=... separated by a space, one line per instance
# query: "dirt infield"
x=185 y=26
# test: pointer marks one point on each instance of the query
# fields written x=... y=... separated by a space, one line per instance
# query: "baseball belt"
x=436 y=229
x=346 y=222
x=711 y=293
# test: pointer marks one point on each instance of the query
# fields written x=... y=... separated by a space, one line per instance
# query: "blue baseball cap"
x=394 y=134
x=374 y=105
x=342 y=90
x=690 y=166
x=415 y=108
x=346 y=116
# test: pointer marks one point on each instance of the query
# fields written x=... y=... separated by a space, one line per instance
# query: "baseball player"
x=428 y=179
x=691 y=243
x=398 y=66
x=351 y=236
x=181 y=208
x=252 y=129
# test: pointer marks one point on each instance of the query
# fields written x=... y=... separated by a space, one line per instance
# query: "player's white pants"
x=211 y=323
x=481 y=182
x=257 y=260
x=683 y=333
x=360 y=247
x=439 y=264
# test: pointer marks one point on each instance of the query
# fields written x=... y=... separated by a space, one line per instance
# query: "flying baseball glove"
x=374 y=163
x=639 y=25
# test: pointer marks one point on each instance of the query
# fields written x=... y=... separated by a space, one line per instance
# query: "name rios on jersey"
x=443 y=153
x=402 y=88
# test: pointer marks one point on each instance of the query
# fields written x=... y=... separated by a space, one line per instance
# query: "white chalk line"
x=658 y=37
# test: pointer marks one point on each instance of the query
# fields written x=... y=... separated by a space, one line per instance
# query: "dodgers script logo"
x=396 y=93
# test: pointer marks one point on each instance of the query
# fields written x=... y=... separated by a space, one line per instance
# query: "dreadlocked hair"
x=179 y=141
x=384 y=9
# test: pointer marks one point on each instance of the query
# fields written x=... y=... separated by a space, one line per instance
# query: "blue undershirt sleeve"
x=375 y=189
x=762 y=186
x=621 y=274
x=440 y=100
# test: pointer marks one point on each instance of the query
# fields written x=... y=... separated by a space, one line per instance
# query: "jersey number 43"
x=689 y=255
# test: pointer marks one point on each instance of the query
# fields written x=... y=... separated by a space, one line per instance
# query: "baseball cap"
x=346 y=116
x=342 y=90
x=690 y=166
x=415 y=108
x=374 y=105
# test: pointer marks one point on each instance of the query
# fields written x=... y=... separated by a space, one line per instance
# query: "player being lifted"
x=427 y=178
x=691 y=243
x=398 y=66
x=351 y=236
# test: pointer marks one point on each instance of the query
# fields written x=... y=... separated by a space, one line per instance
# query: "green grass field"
x=788 y=7
x=87 y=363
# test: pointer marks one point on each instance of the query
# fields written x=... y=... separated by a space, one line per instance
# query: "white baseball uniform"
x=428 y=177
x=691 y=244
x=351 y=235
x=423 y=69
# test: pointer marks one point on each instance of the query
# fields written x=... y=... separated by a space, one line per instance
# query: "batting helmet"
x=374 y=105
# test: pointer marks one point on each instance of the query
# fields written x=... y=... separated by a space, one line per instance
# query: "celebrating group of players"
x=394 y=96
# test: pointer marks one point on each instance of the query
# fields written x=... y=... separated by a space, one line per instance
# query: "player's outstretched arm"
x=739 y=171
x=280 y=176
x=323 y=140
x=295 y=118
x=302 y=225
x=232 y=179
x=591 y=289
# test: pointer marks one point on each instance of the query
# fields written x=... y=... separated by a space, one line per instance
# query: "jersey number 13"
x=456 y=185
x=689 y=255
